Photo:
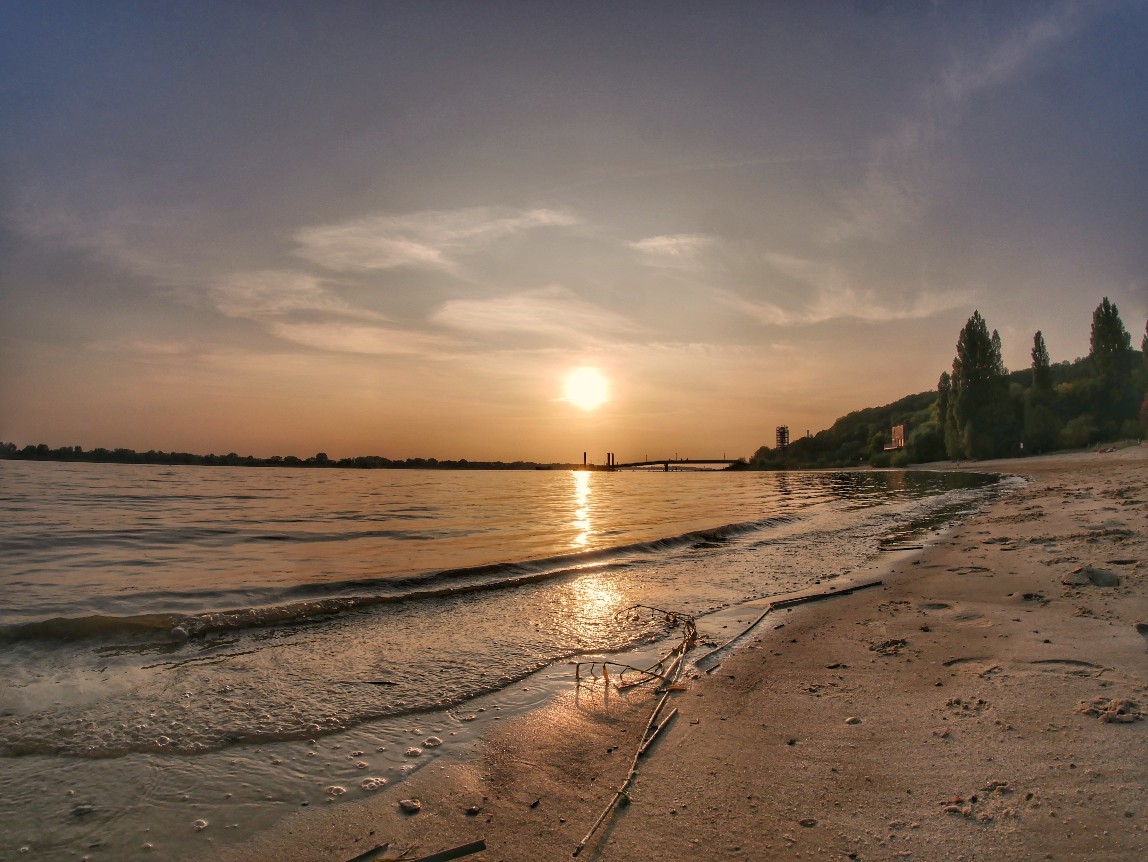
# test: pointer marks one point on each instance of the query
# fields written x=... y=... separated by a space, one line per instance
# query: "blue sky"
x=395 y=228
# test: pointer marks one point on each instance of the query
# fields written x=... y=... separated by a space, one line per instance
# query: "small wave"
x=360 y=593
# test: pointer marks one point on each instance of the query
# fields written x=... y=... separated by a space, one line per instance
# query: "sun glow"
x=586 y=388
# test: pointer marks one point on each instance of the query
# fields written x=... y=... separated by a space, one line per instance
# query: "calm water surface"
x=162 y=628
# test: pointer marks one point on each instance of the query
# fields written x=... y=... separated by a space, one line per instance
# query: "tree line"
x=42 y=452
x=982 y=410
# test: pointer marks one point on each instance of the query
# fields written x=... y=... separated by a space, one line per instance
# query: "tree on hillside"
x=1110 y=354
x=1041 y=366
x=998 y=361
x=1144 y=381
x=979 y=421
x=1041 y=425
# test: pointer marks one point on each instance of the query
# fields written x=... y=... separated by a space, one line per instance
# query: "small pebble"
x=336 y=790
x=852 y=720
x=199 y=825
x=411 y=806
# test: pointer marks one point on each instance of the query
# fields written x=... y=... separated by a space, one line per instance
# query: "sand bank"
x=956 y=712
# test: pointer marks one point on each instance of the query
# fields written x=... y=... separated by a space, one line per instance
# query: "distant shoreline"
x=77 y=454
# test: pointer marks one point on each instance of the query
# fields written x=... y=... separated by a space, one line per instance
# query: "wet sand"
x=957 y=712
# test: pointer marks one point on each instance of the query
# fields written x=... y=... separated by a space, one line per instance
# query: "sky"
x=395 y=228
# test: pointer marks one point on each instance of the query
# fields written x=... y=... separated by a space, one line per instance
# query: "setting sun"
x=586 y=388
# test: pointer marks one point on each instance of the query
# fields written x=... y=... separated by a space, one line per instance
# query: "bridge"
x=666 y=463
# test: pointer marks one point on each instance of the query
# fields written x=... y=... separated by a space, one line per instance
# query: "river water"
x=223 y=645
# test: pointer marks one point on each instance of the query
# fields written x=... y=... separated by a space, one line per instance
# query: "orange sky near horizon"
x=395 y=230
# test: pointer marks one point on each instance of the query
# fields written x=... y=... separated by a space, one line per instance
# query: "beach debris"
x=372 y=855
x=852 y=720
x=709 y=662
x=670 y=668
x=472 y=811
x=199 y=825
x=368 y=682
x=889 y=647
x=666 y=669
x=443 y=855
x=411 y=806
x=1118 y=710
x=335 y=790
x=967 y=705
x=1084 y=575
x=413 y=751
x=432 y=742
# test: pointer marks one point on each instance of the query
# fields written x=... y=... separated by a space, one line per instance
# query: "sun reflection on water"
x=581 y=522
x=587 y=611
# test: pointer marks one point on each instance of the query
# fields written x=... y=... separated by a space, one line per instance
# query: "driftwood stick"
x=776 y=605
x=651 y=730
x=368 y=682
x=657 y=730
x=454 y=853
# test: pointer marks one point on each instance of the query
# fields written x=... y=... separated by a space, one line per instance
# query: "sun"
x=586 y=388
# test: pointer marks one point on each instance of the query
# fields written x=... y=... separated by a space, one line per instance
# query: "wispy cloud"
x=347 y=337
x=835 y=297
x=896 y=187
x=551 y=312
x=431 y=239
x=144 y=346
x=271 y=293
x=149 y=241
x=673 y=250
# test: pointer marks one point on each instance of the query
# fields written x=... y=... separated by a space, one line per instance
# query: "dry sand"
x=950 y=714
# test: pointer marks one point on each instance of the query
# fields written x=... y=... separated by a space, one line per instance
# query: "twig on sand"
x=368 y=682
x=441 y=856
x=709 y=661
x=670 y=666
x=455 y=853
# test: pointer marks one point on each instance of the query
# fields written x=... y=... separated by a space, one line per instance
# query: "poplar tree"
x=979 y=414
x=1040 y=423
x=1110 y=354
x=1041 y=367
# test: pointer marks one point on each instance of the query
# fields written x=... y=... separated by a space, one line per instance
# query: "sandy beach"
x=987 y=701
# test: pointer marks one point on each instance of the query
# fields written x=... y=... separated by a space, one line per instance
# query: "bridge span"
x=666 y=463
